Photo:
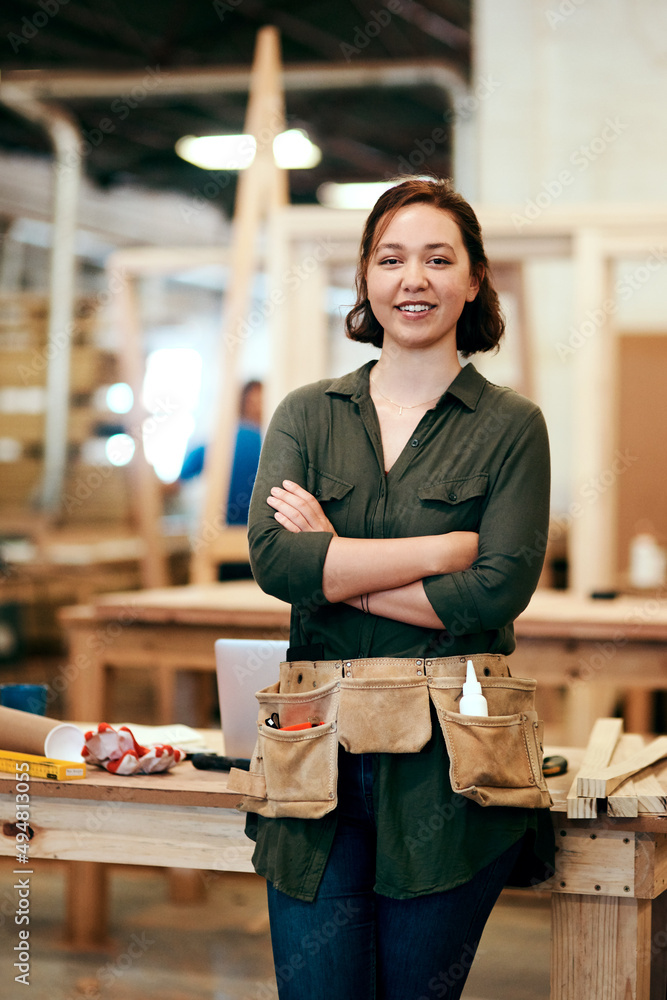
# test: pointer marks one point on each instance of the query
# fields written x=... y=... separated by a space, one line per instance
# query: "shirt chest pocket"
x=333 y=494
x=453 y=504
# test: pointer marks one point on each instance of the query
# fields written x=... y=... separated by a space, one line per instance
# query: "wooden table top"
x=238 y=603
x=184 y=785
x=563 y=614
x=550 y=614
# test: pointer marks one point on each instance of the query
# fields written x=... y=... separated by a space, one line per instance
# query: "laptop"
x=244 y=666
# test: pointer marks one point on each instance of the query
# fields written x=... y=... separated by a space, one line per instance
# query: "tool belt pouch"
x=384 y=707
x=494 y=760
x=292 y=773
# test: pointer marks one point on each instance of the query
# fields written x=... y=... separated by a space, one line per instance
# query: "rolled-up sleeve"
x=286 y=564
x=512 y=542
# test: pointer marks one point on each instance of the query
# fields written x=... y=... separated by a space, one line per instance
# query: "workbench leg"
x=600 y=948
x=186 y=886
x=87 y=905
x=85 y=695
x=638 y=710
x=166 y=693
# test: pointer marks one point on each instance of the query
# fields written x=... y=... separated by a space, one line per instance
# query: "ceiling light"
x=360 y=195
x=293 y=150
x=217 y=152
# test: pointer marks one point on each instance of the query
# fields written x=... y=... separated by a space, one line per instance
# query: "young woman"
x=400 y=510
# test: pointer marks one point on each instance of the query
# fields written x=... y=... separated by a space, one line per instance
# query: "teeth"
x=414 y=309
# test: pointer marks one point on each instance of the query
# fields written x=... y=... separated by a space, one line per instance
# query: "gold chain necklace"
x=402 y=406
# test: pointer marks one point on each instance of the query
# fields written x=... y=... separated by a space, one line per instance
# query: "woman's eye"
x=389 y=260
x=439 y=260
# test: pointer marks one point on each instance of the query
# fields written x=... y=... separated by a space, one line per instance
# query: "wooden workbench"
x=608 y=899
x=600 y=651
x=596 y=650
x=169 y=630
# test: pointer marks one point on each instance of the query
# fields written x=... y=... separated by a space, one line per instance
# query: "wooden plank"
x=653 y=789
x=623 y=801
x=148 y=834
x=651 y=796
x=601 y=745
x=599 y=782
x=596 y=861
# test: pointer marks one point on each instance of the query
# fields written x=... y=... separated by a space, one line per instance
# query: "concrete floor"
x=219 y=948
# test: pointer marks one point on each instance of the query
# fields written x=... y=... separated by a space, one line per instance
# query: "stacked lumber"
x=24 y=361
x=617 y=767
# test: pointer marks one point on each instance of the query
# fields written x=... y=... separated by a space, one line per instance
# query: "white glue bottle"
x=472 y=701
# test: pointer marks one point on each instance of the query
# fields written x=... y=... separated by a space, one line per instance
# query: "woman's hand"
x=297 y=510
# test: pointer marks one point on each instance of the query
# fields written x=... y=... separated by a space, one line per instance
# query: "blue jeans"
x=353 y=944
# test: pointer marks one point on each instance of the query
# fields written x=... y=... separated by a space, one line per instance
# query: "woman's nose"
x=414 y=275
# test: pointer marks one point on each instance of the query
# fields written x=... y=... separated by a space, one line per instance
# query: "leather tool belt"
x=382 y=705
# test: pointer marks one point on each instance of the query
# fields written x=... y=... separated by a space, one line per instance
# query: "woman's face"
x=419 y=278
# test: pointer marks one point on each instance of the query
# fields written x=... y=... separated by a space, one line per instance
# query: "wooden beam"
x=262 y=188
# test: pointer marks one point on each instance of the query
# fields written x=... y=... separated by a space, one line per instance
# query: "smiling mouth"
x=416 y=307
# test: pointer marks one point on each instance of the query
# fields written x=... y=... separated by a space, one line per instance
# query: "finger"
x=305 y=505
x=290 y=512
x=286 y=523
x=297 y=490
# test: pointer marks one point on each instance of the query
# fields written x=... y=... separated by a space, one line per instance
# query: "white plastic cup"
x=64 y=742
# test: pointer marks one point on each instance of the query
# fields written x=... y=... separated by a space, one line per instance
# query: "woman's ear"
x=476 y=279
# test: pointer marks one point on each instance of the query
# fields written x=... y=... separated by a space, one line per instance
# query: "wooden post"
x=146 y=502
x=592 y=555
x=261 y=189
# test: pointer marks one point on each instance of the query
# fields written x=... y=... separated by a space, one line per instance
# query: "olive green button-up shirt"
x=477 y=461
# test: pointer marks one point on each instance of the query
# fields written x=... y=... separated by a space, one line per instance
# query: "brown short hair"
x=481 y=324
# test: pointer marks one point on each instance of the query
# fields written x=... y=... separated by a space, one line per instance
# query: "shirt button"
x=452 y=497
x=318 y=493
x=415 y=442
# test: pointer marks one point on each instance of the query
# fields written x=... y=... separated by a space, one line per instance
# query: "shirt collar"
x=466 y=387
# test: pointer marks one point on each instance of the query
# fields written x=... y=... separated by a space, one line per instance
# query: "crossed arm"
x=388 y=570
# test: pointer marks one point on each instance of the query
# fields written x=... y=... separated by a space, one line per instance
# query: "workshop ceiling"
x=363 y=133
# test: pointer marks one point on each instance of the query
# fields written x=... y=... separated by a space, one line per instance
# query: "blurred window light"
x=170 y=395
x=119 y=449
x=119 y=398
x=217 y=152
x=293 y=150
